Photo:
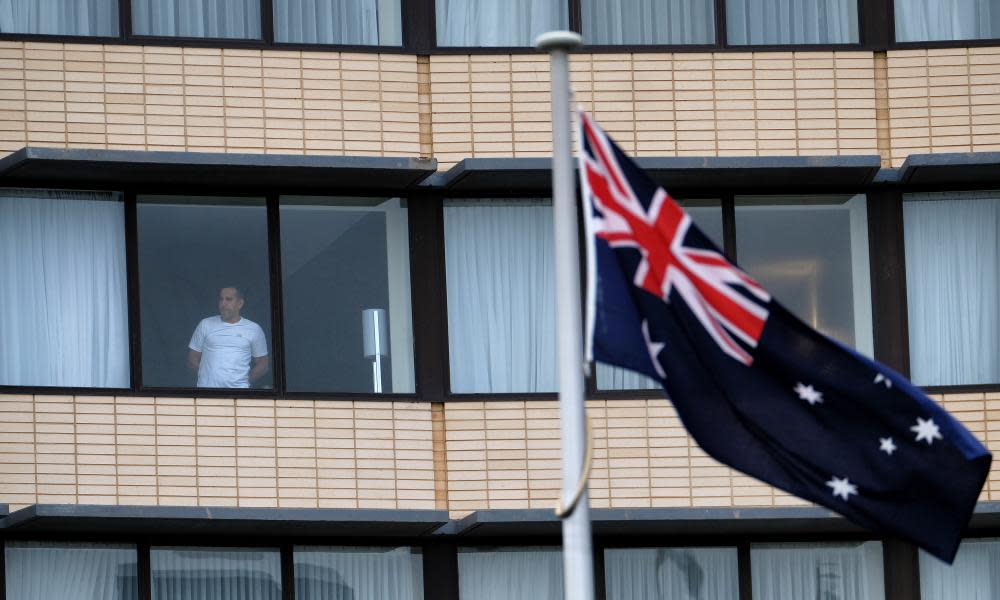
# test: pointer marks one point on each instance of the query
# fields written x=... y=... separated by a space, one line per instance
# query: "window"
x=212 y=573
x=510 y=574
x=850 y=571
x=952 y=244
x=63 y=315
x=811 y=254
x=333 y=573
x=345 y=277
x=974 y=574
x=191 y=250
x=918 y=21
x=765 y=22
x=671 y=573
x=197 y=18
x=65 y=17
x=362 y=22
x=648 y=21
x=497 y=22
x=85 y=571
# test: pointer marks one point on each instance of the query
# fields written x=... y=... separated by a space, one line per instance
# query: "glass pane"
x=64 y=571
x=197 y=18
x=214 y=573
x=501 y=295
x=510 y=574
x=204 y=292
x=63 y=17
x=850 y=571
x=811 y=254
x=919 y=21
x=648 y=21
x=974 y=574
x=360 y=22
x=761 y=22
x=953 y=286
x=344 y=265
x=477 y=23
x=671 y=573
x=63 y=312
x=346 y=573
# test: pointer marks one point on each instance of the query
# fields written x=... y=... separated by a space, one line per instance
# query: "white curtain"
x=215 y=574
x=617 y=378
x=197 y=18
x=975 y=574
x=363 y=22
x=501 y=295
x=510 y=574
x=352 y=573
x=953 y=286
x=61 y=571
x=671 y=574
x=497 y=22
x=850 y=571
x=63 y=316
x=648 y=21
x=762 y=22
x=925 y=20
x=60 y=17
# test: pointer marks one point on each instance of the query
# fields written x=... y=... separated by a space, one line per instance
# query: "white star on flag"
x=809 y=394
x=926 y=430
x=880 y=378
x=887 y=445
x=842 y=487
x=653 y=348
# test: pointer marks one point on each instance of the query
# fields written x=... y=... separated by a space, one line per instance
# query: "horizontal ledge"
x=951 y=168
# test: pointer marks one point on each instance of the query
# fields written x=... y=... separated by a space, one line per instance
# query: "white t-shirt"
x=226 y=349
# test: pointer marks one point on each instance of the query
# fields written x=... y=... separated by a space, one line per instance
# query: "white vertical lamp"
x=376 y=341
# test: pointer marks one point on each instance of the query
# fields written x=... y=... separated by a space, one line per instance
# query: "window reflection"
x=70 y=571
x=671 y=573
x=213 y=573
x=356 y=573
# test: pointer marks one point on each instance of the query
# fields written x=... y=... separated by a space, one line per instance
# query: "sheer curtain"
x=801 y=22
x=63 y=315
x=796 y=571
x=501 y=295
x=215 y=574
x=363 y=22
x=926 y=20
x=648 y=21
x=59 y=17
x=498 y=22
x=975 y=574
x=671 y=574
x=351 y=573
x=197 y=18
x=48 y=571
x=510 y=574
x=952 y=244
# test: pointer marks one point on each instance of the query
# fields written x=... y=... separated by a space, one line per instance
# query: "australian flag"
x=757 y=388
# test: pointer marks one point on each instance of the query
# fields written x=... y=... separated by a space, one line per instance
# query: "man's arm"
x=258 y=368
x=194 y=359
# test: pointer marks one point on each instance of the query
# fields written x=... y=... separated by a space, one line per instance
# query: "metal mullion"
x=743 y=568
x=729 y=226
x=287 y=571
x=720 y=24
x=267 y=21
x=277 y=311
x=440 y=566
x=425 y=217
x=575 y=16
x=144 y=575
x=125 y=19
x=132 y=289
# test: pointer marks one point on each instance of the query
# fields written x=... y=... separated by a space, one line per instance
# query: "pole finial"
x=558 y=40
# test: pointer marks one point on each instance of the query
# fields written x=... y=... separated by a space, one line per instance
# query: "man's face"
x=230 y=304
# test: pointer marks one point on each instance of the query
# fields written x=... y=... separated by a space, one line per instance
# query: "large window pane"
x=63 y=315
x=953 y=286
x=501 y=295
x=921 y=21
x=363 y=22
x=345 y=573
x=671 y=573
x=974 y=575
x=203 y=288
x=648 y=21
x=851 y=571
x=345 y=263
x=811 y=254
x=215 y=573
x=763 y=22
x=65 y=571
x=197 y=18
x=510 y=574
x=497 y=22
x=60 y=17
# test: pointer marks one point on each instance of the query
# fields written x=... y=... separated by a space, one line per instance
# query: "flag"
x=757 y=388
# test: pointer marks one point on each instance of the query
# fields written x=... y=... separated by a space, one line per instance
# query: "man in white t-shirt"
x=227 y=350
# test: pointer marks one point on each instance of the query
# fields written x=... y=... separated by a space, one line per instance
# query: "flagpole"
x=578 y=567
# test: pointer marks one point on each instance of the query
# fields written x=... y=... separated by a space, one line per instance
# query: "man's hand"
x=194 y=359
x=258 y=368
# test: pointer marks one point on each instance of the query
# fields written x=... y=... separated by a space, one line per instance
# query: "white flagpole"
x=578 y=567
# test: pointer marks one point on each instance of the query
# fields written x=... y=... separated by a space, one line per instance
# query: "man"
x=227 y=350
